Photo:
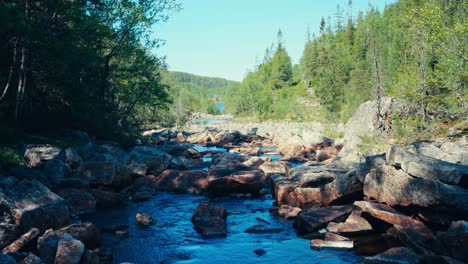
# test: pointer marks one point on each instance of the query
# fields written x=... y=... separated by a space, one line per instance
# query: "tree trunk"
x=10 y=74
x=423 y=67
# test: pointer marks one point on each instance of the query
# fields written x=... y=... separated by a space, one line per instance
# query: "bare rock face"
x=394 y=255
x=241 y=182
x=78 y=201
x=313 y=219
x=210 y=221
x=31 y=259
x=69 y=251
x=388 y=185
x=72 y=158
x=33 y=205
x=107 y=199
x=428 y=168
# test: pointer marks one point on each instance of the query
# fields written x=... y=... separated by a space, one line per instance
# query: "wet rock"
x=86 y=232
x=271 y=168
x=106 y=199
x=428 y=168
x=156 y=161
x=319 y=244
x=8 y=233
x=144 y=220
x=313 y=219
x=210 y=220
x=395 y=187
x=78 y=201
x=69 y=250
x=456 y=240
x=262 y=229
x=394 y=255
x=259 y=252
x=47 y=246
x=181 y=181
x=36 y=155
x=22 y=241
x=107 y=173
x=288 y=212
x=34 y=205
x=354 y=225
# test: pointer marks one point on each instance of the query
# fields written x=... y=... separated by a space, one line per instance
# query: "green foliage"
x=9 y=155
x=87 y=65
x=421 y=47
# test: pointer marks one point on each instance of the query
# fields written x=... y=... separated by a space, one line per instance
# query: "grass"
x=10 y=155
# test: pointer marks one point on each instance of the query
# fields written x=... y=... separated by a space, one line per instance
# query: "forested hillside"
x=414 y=50
x=80 y=64
x=190 y=94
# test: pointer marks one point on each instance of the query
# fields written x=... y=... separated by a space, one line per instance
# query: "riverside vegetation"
x=360 y=147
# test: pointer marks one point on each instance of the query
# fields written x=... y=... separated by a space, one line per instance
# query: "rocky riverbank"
x=408 y=204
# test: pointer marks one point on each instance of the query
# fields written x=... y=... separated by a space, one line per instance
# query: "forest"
x=80 y=65
x=414 y=50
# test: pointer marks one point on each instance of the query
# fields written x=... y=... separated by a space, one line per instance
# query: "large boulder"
x=315 y=185
x=272 y=168
x=456 y=240
x=72 y=158
x=69 y=250
x=152 y=159
x=31 y=204
x=210 y=220
x=107 y=173
x=354 y=225
x=107 y=199
x=181 y=181
x=47 y=246
x=240 y=182
x=388 y=185
x=410 y=232
x=36 y=155
x=311 y=220
x=428 y=168
x=79 y=201
x=86 y=232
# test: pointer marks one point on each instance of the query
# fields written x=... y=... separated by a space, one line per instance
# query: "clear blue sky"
x=225 y=38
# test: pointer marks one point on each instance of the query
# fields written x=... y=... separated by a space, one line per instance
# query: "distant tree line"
x=414 y=50
x=81 y=64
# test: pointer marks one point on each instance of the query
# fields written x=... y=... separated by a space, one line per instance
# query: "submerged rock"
x=210 y=220
x=262 y=229
x=144 y=220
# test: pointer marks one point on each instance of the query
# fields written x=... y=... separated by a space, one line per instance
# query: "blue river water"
x=173 y=240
